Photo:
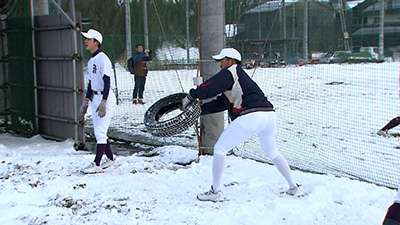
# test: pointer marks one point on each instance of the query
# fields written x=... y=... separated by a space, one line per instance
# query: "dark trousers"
x=393 y=215
x=140 y=81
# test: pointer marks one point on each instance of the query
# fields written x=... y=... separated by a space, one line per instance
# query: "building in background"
x=261 y=30
x=365 y=23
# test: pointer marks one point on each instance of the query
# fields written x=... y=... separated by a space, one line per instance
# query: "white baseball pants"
x=100 y=125
x=261 y=123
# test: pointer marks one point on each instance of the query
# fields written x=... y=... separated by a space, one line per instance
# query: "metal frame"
x=72 y=25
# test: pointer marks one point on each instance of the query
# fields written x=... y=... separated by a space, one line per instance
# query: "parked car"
x=359 y=57
x=315 y=57
x=373 y=51
x=335 y=57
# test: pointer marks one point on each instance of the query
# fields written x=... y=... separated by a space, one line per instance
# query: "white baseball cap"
x=230 y=53
x=91 y=33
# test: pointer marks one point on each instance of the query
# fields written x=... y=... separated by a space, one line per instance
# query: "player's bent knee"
x=272 y=155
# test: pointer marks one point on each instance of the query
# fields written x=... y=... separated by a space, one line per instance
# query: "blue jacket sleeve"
x=217 y=84
x=214 y=106
x=138 y=57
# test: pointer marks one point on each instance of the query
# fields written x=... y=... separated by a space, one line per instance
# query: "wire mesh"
x=327 y=114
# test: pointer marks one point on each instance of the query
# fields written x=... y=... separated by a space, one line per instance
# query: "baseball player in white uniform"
x=251 y=113
x=100 y=87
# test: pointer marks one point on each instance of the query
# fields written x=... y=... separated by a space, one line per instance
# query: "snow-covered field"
x=40 y=184
x=328 y=116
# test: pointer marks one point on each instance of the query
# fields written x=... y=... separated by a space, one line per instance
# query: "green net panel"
x=17 y=79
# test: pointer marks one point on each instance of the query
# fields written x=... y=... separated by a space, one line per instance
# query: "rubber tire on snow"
x=175 y=125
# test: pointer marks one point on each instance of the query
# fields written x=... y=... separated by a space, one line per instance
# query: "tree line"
x=166 y=19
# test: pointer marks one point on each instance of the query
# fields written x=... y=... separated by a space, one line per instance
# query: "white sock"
x=283 y=167
x=218 y=168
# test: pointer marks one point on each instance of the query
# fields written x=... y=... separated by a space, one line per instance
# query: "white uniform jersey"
x=98 y=66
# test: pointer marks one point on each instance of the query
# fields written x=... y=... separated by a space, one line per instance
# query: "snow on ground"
x=40 y=184
x=327 y=116
x=177 y=54
x=40 y=181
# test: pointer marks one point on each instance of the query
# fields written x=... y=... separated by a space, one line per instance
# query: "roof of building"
x=269 y=6
x=389 y=4
x=376 y=30
x=277 y=4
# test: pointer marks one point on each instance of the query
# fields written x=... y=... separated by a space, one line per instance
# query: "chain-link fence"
x=328 y=110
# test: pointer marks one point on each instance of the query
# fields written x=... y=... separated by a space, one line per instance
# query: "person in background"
x=391 y=124
x=250 y=112
x=100 y=87
x=393 y=213
x=140 y=72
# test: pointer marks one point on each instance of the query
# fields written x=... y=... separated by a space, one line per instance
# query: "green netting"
x=17 y=79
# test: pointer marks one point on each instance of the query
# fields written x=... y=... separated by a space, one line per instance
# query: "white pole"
x=128 y=29
x=146 y=26
x=305 y=31
x=381 y=31
x=187 y=32
x=284 y=28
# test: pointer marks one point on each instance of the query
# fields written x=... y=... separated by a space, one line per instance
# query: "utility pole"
x=294 y=27
x=212 y=23
x=259 y=30
x=284 y=28
x=305 y=31
x=381 y=30
x=146 y=26
x=187 y=31
x=128 y=29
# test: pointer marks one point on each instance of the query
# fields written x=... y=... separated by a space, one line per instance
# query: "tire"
x=175 y=125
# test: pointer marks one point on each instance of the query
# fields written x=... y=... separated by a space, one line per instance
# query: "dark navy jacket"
x=235 y=91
